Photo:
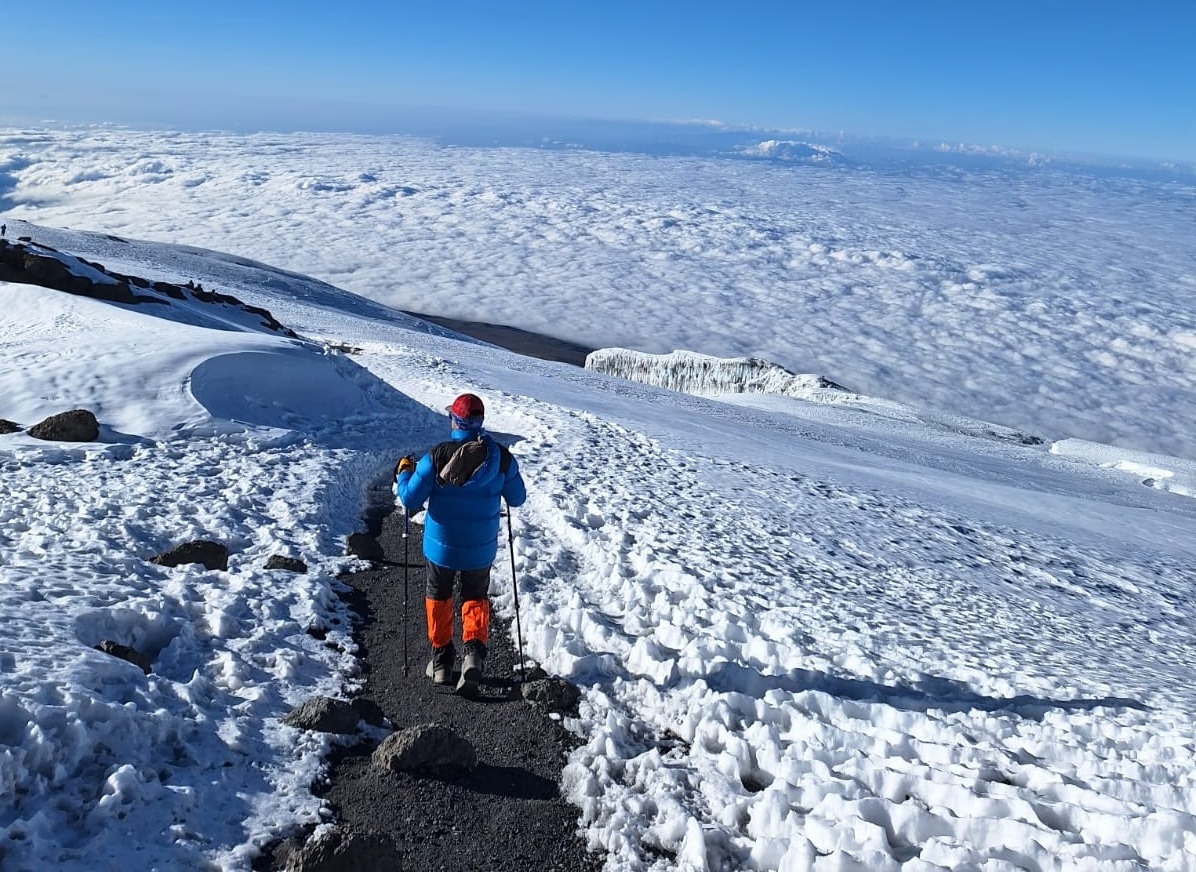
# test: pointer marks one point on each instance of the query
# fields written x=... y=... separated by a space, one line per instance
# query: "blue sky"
x=1114 y=78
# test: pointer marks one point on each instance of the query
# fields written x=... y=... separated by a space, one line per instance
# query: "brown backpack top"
x=457 y=462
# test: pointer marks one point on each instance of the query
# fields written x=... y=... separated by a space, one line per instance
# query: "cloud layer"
x=1047 y=300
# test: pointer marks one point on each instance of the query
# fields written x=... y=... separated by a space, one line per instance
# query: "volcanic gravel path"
x=505 y=815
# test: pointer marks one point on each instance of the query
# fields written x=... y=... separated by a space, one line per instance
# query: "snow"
x=844 y=631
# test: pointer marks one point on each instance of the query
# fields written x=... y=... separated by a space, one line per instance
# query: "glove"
x=405 y=464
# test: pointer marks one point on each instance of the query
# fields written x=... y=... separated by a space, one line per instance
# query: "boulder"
x=290 y=564
x=326 y=715
x=428 y=748
x=212 y=555
x=365 y=546
x=77 y=425
x=340 y=850
x=552 y=694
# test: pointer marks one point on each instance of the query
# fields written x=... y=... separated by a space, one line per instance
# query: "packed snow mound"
x=297 y=388
x=704 y=375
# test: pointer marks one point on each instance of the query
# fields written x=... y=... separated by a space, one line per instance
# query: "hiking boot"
x=472 y=668
x=440 y=667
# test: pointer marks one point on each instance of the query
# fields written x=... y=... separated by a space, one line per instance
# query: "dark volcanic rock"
x=365 y=546
x=212 y=555
x=31 y=264
x=553 y=694
x=430 y=748
x=124 y=652
x=77 y=425
x=290 y=564
x=325 y=715
x=345 y=850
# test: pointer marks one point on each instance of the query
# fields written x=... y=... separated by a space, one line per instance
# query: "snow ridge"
x=704 y=375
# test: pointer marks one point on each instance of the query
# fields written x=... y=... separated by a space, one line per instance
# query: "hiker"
x=463 y=481
x=3 y=230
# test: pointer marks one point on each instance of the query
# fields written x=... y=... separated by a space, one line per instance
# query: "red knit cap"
x=467 y=406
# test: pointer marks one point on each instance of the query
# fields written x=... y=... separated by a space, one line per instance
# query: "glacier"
x=707 y=376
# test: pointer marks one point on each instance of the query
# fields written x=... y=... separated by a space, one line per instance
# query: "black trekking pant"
x=475 y=583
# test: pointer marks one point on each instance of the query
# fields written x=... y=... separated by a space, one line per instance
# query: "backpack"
x=457 y=462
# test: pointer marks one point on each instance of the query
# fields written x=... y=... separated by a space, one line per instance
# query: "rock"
x=365 y=546
x=9 y=426
x=170 y=290
x=77 y=425
x=341 y=850
x=212 y=555
x=124 y=652
x=370 y=712
x=291 y=564
x=326 y=715
x=428 y=748
x=553 y=694
x=22 y=265
x=65 y=272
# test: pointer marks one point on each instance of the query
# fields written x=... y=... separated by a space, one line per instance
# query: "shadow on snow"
x=932 y=693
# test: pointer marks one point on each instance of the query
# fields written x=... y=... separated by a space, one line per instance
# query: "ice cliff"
x=701 y=374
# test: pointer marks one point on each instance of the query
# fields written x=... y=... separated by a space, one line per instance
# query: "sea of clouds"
x=1052 y=299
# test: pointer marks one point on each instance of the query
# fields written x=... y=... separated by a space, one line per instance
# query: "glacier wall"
x=703 y=375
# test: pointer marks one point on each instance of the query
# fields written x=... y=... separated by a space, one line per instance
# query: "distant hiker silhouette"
x=3 y=230
x=463 y=480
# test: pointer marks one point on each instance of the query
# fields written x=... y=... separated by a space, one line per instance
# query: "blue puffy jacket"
x=462 y=524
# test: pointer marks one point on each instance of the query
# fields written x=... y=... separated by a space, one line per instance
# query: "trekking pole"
x=406 y=576
x=515 y=589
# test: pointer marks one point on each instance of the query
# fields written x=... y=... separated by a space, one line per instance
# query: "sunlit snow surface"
x=810 y=634
x=1059 y=301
